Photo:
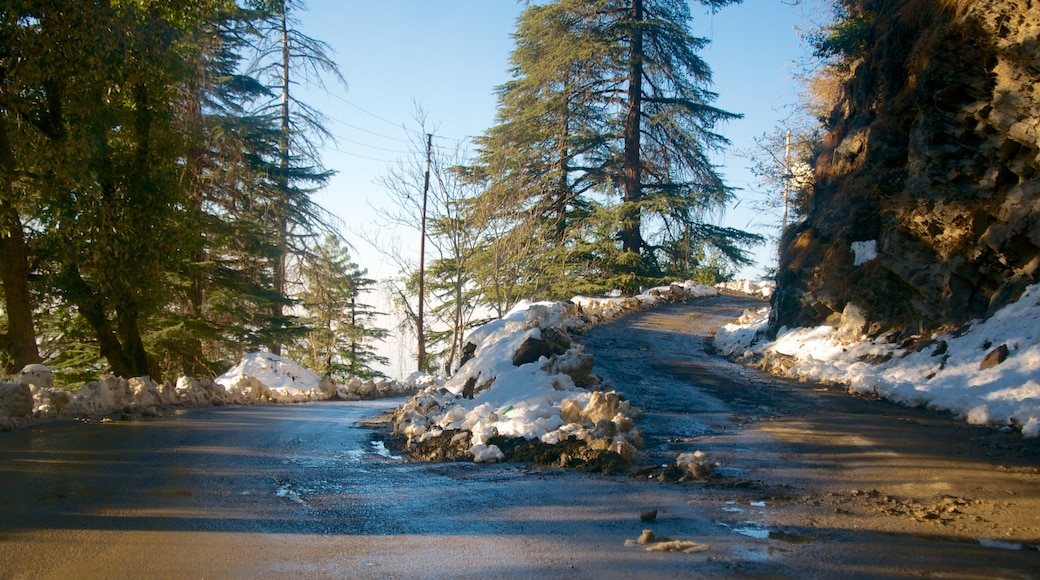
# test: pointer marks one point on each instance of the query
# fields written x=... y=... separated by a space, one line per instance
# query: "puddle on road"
x=752 y=530
x=758 y=531
x=790 y=538
x=379 y=449
x=999 y=545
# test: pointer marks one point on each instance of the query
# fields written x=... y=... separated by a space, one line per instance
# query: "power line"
x=365 y=111
x=363 y=130
x=389 y=122
x=338 y=138
x=338 y=150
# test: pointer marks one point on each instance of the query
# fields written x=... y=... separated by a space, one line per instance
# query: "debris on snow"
x=696 y=465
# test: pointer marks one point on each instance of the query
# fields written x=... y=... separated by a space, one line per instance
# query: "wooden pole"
x=421 y=350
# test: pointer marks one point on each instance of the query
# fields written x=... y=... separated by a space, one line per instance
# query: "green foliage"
x=846 y=36
x=146 y=163
x=341 y=331
x=555 y=169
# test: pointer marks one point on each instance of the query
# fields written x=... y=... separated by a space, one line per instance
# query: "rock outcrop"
x=926 y=209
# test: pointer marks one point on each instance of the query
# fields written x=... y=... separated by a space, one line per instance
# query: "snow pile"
x=987 y=373
x=357 y=390
x=763 y=288
x=521 y=384
x=677 y=292
x=529 y=381
x=265 y=377
x=258 y=378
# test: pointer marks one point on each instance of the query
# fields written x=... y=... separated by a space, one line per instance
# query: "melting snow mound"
x=988 y=372
x=262 y=376
x=273 y=371
x=528 y=381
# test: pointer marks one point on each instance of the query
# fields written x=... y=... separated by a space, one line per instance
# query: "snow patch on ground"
x=259 y=377
x=988 y=372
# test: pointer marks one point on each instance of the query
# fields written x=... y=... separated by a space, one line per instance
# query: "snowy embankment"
x=987 y=372
x=528 y=380
x=259 y=377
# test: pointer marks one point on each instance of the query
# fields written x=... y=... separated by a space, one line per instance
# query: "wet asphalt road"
x=301 y=491
x=306 y=491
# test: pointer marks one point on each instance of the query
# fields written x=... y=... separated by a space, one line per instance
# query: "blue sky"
x=449 y=55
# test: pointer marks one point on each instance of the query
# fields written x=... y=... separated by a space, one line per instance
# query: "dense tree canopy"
x=149 y=190
x=157 y=166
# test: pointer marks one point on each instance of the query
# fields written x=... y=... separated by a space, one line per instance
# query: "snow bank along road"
x=812 y=483
x=828 y=483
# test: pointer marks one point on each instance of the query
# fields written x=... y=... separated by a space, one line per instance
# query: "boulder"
x=552 y=342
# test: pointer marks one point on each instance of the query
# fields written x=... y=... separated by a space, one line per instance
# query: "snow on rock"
x=864 y=252
x=486 y=453
x=16 y=402
x=35 y=374
x=987 y=372
x=491 y=396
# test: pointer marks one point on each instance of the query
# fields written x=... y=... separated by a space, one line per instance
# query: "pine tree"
x=603 y=142
x=341 y=336
x=224 y=291
x=287 y=57
x=99 y=159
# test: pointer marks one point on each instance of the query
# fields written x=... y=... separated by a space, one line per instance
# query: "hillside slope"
x=926 y=212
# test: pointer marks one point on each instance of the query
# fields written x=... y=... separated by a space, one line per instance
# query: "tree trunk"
x=137 y=358
x=19 y=343
x=284 y=144
x=93 y=311
x=630 y=234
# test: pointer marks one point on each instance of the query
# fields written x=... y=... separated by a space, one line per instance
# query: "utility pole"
x=421 y=350
x=787 y=180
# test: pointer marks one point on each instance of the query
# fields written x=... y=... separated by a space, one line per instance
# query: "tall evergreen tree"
x=604 y=136
x=89 y=93
x=286 y=58
x=341 y=333
x=224 y=291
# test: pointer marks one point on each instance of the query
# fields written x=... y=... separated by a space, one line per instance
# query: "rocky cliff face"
x=926 y=211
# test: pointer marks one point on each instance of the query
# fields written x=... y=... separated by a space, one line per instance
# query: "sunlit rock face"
x=926 y=211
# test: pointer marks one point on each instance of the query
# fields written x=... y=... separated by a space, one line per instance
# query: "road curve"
x=813 y=483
